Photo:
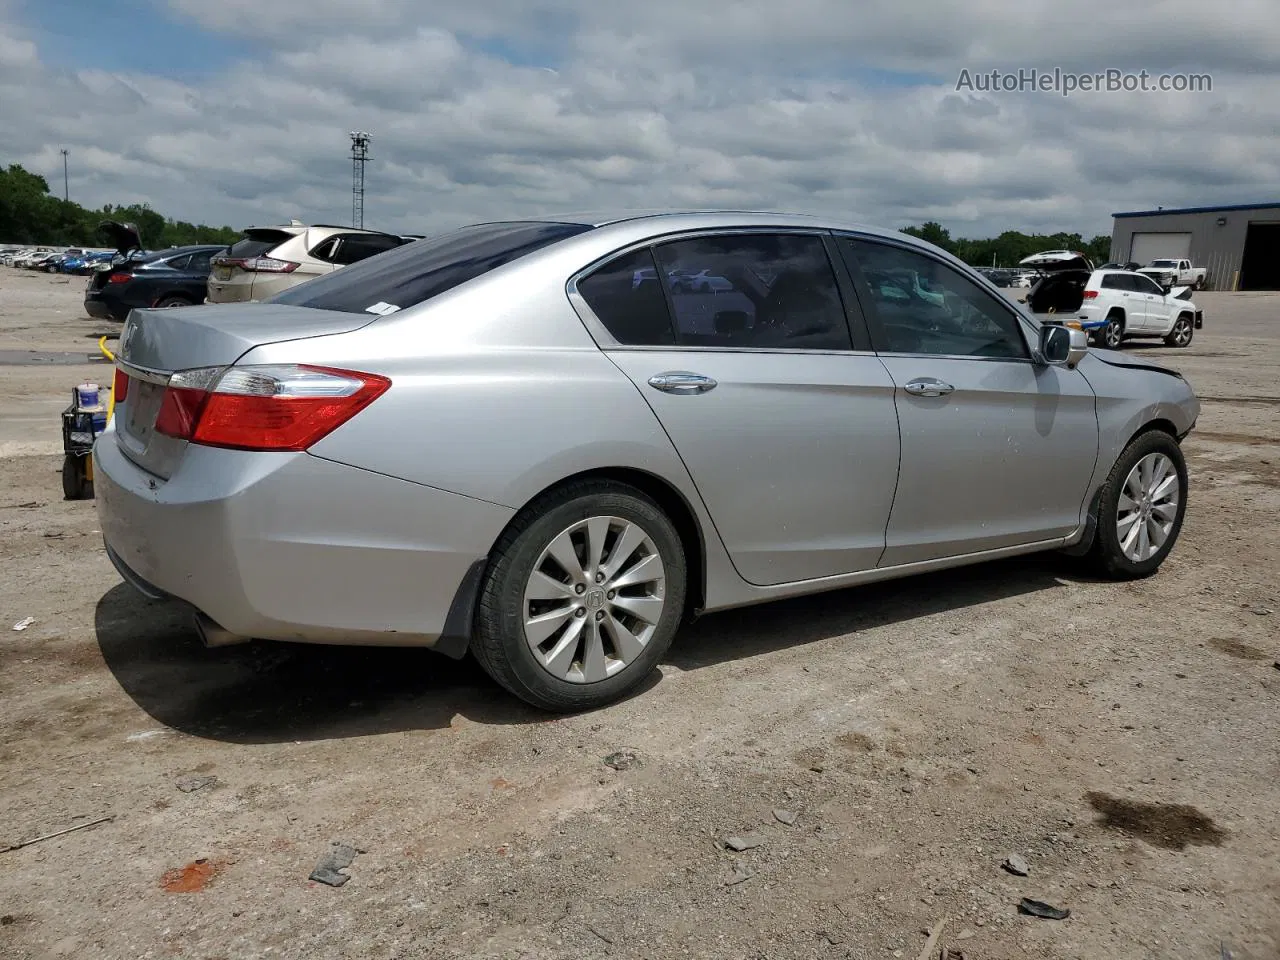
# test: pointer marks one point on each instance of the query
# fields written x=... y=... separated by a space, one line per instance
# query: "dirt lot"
x=1121 y=738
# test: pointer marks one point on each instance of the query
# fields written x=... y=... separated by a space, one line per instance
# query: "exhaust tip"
x=213 y=635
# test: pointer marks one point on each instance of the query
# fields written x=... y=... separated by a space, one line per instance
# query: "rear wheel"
x=582 y=598
x=1141 y=508
x=1112 y=334
x=1182 y=332
x=174 y=301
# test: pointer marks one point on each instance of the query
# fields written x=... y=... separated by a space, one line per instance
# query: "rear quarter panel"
x=498 y=392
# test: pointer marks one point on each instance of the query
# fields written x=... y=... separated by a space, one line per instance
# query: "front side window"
x=924 y=306
x=1147 y=285
x=762 y=291
x=416 y=272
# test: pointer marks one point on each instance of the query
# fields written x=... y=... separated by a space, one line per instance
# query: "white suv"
x=1114 y=305
x=270 y=260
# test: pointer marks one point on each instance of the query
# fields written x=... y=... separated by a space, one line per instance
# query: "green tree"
x=29 y=215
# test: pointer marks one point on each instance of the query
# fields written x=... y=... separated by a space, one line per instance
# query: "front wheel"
x=1182 y=332
x=1141 y=508
x=582 y=598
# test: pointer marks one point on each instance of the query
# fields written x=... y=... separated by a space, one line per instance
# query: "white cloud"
x=734 y=104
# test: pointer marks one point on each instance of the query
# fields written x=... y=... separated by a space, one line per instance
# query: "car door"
x=1156 y=318
x=768 y=389
x=997 y=450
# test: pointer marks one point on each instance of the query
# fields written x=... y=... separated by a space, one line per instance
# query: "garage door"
x=1158 y=246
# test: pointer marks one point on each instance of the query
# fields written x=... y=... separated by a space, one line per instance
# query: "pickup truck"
x=1175 y=273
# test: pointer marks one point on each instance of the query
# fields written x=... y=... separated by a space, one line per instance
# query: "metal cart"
x=80 y=428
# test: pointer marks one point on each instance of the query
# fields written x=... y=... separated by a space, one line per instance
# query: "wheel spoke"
x=1155 y=533
x=542 y=587
x=597 y=533
x=628 y=540
x=648 y=570
x=1126 y=503
x=1144 y=542
x=561 y=550
x=1133 y=486
x=1167 y=512
x=1144 y=473
x=1159 y=473
x=1130 y=539
x=538 y=630
x=593 y=665
x=648 y=609
x=1124 y=523
x=1165 y=489
x=563 y=656
x=628 y=645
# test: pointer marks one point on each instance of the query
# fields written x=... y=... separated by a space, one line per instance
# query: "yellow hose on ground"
x=111 y=402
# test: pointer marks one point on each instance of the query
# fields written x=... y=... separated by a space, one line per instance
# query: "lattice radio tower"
x=359 y=157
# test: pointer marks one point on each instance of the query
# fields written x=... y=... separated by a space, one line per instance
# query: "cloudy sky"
x=237 y=111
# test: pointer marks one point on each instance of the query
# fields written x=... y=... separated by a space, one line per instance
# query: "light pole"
x=66 y=189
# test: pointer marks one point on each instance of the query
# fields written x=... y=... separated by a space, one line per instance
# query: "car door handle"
x=928 y=387
x=681 y=382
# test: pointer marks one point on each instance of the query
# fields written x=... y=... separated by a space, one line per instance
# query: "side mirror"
x=1063 y=346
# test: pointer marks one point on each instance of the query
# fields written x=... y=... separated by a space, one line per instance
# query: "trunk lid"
x=156 y=343
x=123 y=236
x=1055 y=261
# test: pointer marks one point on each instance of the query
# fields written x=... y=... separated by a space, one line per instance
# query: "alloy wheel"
x=594 y=599
x=1112 y=334
x=1182 y=332
x=1148 y=507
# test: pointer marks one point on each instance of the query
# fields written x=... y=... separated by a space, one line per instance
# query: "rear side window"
x=354 y=247
x=416 y=272
x=1112 y=281
x=200 y=262
x=627 y=297
x=761 y=291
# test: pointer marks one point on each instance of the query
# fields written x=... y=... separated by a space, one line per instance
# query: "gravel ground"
x=1121 y=738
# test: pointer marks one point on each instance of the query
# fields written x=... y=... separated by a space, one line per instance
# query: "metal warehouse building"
x=1239 y=245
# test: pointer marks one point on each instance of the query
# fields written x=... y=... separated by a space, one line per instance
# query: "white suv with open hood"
x=1112 y=305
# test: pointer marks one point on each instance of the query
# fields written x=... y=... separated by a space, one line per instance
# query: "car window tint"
x=200 y=262
x=925 y=306
x=416 y=272
x=1147 y=285
x=1112 y=281
x=627 y=298
x=765 y=291
x=179 y=263
x=354 y=247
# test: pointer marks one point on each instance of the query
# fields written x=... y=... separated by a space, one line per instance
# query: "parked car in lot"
x=513 y=440
x=270 y=260
x=171 y=278
x=1115 y=305
x=1175 y=273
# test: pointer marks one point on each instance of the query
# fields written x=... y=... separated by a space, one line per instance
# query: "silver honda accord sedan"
x=547 y=443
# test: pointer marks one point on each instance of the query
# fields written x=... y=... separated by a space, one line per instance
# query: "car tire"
x=1198 y=285
x=566 y=667
x=1136 y=495
x=1182 y=333
x=1112 y=335
x=76 y=484
x=174 y=301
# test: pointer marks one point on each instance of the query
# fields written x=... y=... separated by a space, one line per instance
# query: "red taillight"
x=1090 y=294
x=257 y=264
x=120 y=278
x=284 y=408
x=119 y=386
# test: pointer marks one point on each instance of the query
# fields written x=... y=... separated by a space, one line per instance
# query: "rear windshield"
x=418 y=271
x=256 y=243
x=1164 y=263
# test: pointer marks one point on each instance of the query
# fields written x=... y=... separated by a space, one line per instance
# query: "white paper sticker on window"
x=381 y=308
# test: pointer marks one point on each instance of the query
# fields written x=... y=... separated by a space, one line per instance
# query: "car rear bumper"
x=294 y=547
